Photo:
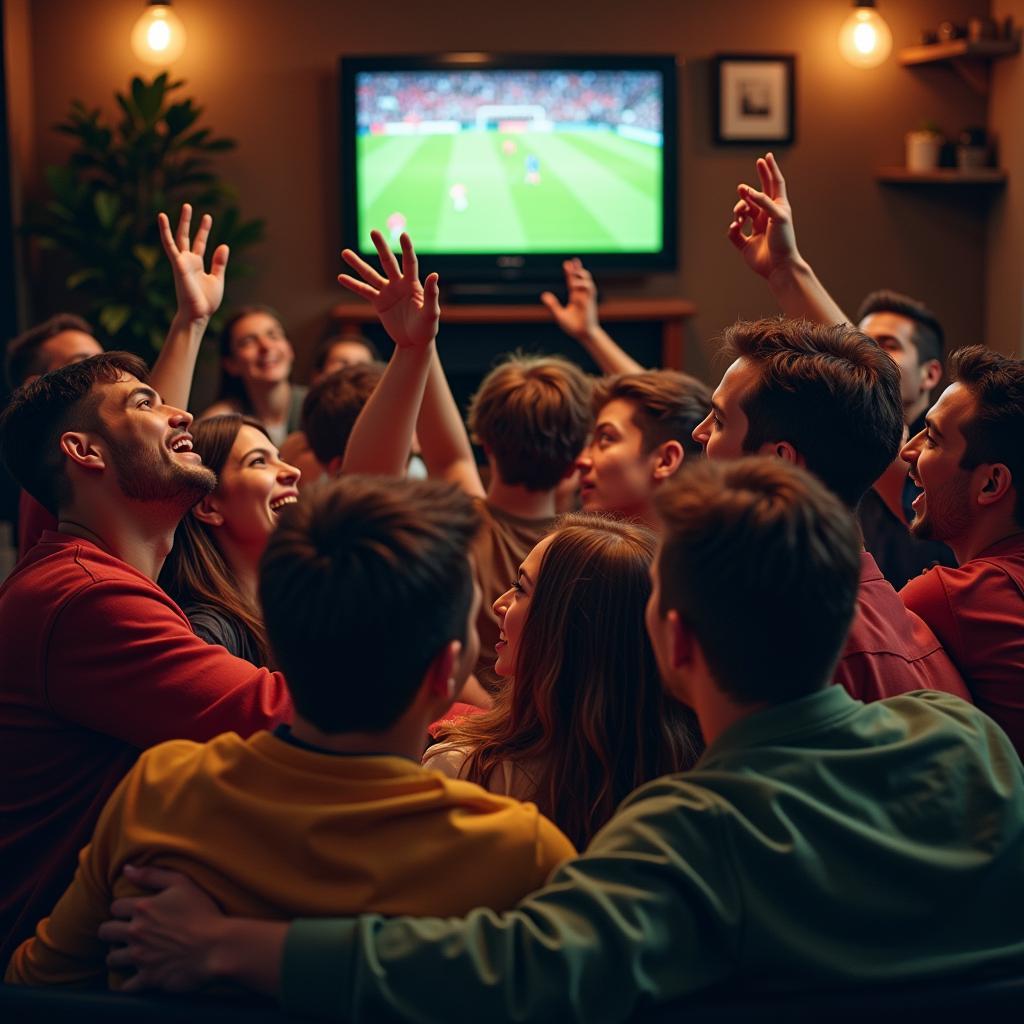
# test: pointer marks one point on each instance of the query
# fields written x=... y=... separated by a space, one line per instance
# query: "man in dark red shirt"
x=828 y=398
x=97 y=662
x=970 y=461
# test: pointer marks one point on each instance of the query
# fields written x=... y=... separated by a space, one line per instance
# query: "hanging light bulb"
x=865 y=40
x=158 y=36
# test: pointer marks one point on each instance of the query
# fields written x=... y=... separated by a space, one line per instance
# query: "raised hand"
x=771 y=243
x=578 y=317
x=409 y=311
x=199 y=293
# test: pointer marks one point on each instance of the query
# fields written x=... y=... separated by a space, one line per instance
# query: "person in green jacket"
x=819 y=841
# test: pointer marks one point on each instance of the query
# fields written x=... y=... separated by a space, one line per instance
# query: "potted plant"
x=101 y=217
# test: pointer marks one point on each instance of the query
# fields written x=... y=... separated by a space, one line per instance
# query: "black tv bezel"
x=513 y=266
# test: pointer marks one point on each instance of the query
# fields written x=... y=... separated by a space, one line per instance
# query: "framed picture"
x=754 y=98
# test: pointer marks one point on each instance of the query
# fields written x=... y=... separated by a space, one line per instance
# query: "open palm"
x=198 y=293
x=409 y=311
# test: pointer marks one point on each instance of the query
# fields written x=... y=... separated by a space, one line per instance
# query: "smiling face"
x=253 y=486
x=943 y=509
x=512 y=608
x=261 y=353
x=150 y=447
x=615 y=473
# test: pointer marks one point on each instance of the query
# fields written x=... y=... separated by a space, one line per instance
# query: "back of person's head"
x=762 y=563
x=668 y=405
x=25 y=356
x=533 y=415
x=354 y=348
x=829 y=391
x=995 y=433
x=195 y=571
x=332 y=406
x=42 y=410
x=362 y=585
x=928 y=336
x=585 y=711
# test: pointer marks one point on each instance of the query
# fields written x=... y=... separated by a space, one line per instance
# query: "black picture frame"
x=755 y=99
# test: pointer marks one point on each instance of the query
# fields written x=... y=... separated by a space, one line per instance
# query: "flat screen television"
x=501 y=166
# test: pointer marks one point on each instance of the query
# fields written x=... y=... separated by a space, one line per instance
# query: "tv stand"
x=494 y=293
x=672 y=314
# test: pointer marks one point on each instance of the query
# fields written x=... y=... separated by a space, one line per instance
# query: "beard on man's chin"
x=143 y=477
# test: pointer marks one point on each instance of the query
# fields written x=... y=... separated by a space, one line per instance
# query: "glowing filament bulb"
x=865 y=40
x=158 y=36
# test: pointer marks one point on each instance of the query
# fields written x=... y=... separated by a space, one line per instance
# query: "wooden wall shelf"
x=985 y=49
x=971 y=61
x=990 y=176
x=672 y=313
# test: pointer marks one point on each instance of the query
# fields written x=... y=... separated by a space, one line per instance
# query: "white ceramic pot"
x=923 y=150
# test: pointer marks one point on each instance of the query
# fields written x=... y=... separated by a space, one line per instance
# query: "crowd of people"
x=605 y=98
x=682 y=686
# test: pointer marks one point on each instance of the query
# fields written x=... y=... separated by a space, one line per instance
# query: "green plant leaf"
x=147 y=255
x=107 y=205
x=112 y=318
x=80 y=277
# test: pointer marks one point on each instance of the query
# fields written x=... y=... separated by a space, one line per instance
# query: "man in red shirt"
x=98 y=662
x=828 y=398
x=970 y=461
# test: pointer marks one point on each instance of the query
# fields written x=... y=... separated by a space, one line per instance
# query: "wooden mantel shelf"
x=672 y=313
x=958 y=49
x=941 y=176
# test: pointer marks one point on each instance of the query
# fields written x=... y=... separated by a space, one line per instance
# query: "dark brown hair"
x=195 y=571
x=330 y=410
x=995 y=433
x=763 y=564
x=829 y=391
x=362 y=584
x=323 y=348
x=533 y=414
x=585 y=712
x=928 y=335
x=24 y=355
x=668 y=405
x=40 y=411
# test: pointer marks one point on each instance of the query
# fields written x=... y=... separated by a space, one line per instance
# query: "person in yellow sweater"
x=370 y=599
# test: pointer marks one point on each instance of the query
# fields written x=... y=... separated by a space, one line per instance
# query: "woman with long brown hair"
x=212 y=570
x=582 y=720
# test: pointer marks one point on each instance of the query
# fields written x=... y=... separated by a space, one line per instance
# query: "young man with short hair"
x=66 y=338
x=643 y=431
x=532 y=416
x=98 y=662
x=969 y=460
x=333 y=814
x=805 y=849
x=828 y=398
x=903 y=327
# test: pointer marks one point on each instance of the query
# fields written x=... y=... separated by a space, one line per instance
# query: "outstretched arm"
x=199 y=296
x=579 y=319
x=410 y=312
x=771 y=251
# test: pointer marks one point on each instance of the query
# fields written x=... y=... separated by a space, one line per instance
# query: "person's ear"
x=998 y=482
x=207 y=513
x=931 y=374
x=229 y=364
x=81 y=448
x=784 y=450
x=440 y=683
x=682 y=639
x=333 y=468
x=668 y=459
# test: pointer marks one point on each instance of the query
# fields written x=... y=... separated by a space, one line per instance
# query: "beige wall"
x=1004 y=307
x=265 y=71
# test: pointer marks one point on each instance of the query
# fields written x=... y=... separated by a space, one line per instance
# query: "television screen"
x=501 y=159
